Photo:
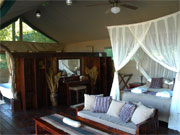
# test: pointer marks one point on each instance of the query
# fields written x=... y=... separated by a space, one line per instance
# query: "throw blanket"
x=57 y=121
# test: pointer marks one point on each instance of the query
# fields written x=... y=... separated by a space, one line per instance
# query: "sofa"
x=113 y=124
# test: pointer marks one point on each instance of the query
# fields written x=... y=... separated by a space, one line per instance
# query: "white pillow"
x=141 y=114
x=71 y=122
x=168 y=84
x=89 y=101
x=115 y=108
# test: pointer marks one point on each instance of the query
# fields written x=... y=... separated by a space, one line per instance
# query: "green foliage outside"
x=109 y=52
x=29 y=34
x=35 y=36
x=6 y=33
x=3 y=62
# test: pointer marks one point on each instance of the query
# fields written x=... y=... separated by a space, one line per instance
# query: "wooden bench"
x=53 y=124
x=149 y=126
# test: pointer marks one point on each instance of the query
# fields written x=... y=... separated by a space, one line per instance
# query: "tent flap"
x=6 y=6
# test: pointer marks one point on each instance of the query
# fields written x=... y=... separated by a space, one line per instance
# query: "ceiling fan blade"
x=129 y=6
x=97 y=4
x=108 y=11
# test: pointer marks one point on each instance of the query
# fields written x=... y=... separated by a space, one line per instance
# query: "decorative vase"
x=53 y=98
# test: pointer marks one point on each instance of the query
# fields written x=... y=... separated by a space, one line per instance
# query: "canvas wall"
x=99 y=46
x=88 y=46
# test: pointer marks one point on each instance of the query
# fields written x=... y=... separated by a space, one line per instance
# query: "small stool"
x=77 y=89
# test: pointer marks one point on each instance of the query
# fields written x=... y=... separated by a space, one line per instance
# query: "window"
x=6 y=33
x=32 y=35
x=12 y=33
x=3 y=62
x=108 y=51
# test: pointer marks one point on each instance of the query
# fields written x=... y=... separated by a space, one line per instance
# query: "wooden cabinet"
x=28 y=83
x=31 y=82
x=31 y=71
x=41 y=85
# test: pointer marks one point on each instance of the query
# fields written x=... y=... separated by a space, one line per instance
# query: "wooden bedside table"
x=135 y=84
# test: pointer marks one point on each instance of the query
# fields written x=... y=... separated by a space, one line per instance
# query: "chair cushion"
x=115 y=108
x=80 y=87
x=101 y=104
x=108 y=120
x=127 y=112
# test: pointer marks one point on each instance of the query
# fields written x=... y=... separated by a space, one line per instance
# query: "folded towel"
x=139 y=90
x=165 y=94
x=71 y=122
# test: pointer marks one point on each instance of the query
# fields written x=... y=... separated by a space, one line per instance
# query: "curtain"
x=162 y=44
x=9 y=63
x=160 y=40
x=124 y=47
x=11 y=68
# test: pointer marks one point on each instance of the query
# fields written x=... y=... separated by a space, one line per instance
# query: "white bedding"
x=5 y=90
x=160 y=103
x=164 y=94
x=139 y=90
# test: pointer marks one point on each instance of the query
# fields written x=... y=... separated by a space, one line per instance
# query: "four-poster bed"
x=160 y=40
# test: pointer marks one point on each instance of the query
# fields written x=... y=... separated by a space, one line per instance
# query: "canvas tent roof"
x=80 y=22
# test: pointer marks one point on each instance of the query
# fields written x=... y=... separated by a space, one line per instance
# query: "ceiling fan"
x=116 y=4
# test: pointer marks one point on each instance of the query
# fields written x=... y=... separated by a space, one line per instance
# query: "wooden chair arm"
x=79 y=108
x=149 y=126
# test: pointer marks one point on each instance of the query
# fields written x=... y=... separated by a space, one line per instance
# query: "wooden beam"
x=20 y=30
x=13 y=31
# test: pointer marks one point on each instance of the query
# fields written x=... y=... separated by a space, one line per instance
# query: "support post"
x=13 y=31
x=20 y=30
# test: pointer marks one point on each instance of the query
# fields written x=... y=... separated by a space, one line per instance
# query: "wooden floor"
x=22 y=122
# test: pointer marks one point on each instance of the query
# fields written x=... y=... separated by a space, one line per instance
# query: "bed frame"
x=149 y=126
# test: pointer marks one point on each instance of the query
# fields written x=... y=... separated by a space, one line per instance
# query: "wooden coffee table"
x=43 y=126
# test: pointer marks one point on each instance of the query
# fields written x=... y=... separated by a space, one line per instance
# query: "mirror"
x=69 y=67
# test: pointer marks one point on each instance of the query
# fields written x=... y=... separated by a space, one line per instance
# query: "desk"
x=76 y=83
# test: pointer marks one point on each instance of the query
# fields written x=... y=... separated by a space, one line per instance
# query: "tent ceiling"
x=77 y=23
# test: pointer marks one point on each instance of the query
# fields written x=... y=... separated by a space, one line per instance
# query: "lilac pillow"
x=127 y=112
x=101 y=104
x=156 y=83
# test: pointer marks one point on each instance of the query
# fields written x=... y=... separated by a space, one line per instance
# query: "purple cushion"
x=101 y=104
x=156 y=83
x=127 y=112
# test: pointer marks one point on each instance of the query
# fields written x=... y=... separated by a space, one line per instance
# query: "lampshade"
x=68 y=2
x=115 y=10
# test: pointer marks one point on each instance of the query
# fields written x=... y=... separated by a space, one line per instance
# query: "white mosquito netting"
x=151 y=69
x=160 y=40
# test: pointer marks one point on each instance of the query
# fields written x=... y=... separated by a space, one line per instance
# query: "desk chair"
x=77 y=89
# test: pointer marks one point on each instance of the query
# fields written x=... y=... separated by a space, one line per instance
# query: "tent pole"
x=20 y=29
